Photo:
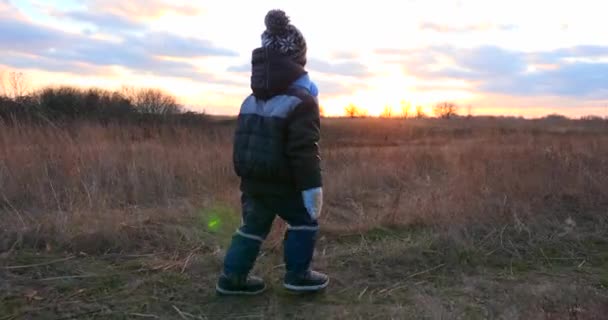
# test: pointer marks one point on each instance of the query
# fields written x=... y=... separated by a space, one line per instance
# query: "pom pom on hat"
x=276 y=22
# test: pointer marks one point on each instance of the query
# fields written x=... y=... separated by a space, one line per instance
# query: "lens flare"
x=214 y=224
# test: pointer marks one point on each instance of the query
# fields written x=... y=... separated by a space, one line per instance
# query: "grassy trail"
x=380 y=275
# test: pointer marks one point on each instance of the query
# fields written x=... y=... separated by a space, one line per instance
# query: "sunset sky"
x=516 y=57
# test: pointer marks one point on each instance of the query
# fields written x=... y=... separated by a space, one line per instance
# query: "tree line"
x=65 y=103
x=443 y=110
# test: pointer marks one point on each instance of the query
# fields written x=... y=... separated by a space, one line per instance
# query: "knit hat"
x=283 y=37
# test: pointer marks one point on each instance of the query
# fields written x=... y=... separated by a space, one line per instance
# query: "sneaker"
x=310 y=281
x=240 y=285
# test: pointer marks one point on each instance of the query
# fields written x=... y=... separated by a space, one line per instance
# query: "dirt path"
x=392 y=277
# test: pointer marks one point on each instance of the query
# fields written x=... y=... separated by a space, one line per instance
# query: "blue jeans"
x=259 y=213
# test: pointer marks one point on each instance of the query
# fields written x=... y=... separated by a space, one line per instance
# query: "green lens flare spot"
x=214 y=224
x=217 y=224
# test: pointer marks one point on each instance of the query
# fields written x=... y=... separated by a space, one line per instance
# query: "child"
x=276 y=154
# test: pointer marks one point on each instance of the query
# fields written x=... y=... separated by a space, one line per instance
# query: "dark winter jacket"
x=276 y=142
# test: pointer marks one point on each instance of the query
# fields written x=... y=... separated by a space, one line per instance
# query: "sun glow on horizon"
x=395 y=94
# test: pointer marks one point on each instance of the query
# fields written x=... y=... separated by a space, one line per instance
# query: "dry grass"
x=438 y=198
x=87 y=178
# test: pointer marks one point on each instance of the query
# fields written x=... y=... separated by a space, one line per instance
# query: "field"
x=482 y=218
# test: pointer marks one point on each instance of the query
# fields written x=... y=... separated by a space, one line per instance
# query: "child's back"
x=275 y=149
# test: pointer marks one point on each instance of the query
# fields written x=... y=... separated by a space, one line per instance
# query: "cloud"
x=144 y=8
x=21 y=61
x=21 y=35
x=445 y=28
x=133 y=57
x=348 y=68
x=240 y=68
x=576 y=79
x=126 y=20
x=45 y=48
x=343 y=55
x=584 y=51
x=7 y=9
x=124 y=16
x=574 y=72
x=102 y=20
x=166 y=44
x=338 y=87
x=483 y=62
x=332 y=88
x=5 y=5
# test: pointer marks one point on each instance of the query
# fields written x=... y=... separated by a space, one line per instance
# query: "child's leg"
x=299 y=246
x=246 y=243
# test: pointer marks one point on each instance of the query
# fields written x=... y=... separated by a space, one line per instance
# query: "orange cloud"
x=138 y=9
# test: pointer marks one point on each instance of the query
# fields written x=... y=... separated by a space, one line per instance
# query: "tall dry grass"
x=59 y=185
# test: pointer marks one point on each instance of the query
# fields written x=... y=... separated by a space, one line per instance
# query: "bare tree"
x=362 y=113
x=420 y=114
x=13 y=84
x=350 y=110
x=128 y=92
x=2 y=86
x=445 y=110
x=152 y=101
x=17 y=84
x=591 y=117
x=405 y=109
x=387 y=112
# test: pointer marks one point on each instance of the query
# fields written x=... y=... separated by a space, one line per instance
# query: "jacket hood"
x=272 y=73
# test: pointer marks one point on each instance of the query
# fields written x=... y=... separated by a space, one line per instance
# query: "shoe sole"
x=306 y=288
x=238 y=293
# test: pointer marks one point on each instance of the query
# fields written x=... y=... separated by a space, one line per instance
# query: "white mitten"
x=313 y=202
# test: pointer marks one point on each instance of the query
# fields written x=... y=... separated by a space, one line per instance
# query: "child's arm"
x=304 y=131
